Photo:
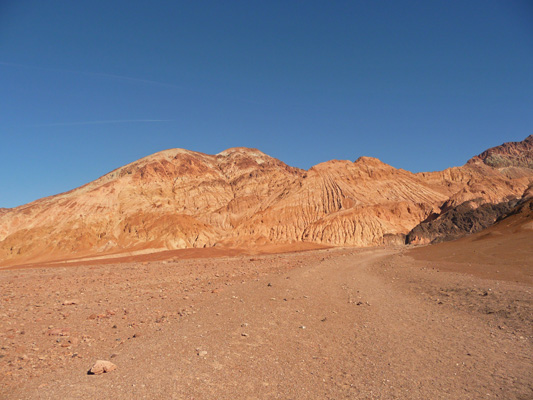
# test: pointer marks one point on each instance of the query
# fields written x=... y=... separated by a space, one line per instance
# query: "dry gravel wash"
x=327 y=324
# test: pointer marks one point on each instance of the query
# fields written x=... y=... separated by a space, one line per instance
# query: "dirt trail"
x=352 y=324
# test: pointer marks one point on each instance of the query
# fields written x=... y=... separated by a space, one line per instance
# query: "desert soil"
x=323 y=324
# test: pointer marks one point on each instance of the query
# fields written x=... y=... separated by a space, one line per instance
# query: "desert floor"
x=381 y=323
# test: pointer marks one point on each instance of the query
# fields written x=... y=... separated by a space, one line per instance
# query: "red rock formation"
x=243 y=198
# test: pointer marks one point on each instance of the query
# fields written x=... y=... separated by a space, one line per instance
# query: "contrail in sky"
x=127 y=78
x=115 y=121
x=120 y=77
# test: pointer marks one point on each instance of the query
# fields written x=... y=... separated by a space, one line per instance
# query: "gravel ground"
x=323 y=324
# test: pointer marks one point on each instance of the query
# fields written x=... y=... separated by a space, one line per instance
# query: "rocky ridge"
x=469 y=217
x=244 y=198
x=511 y=154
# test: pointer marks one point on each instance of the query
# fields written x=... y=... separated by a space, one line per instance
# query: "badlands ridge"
x=243 y=199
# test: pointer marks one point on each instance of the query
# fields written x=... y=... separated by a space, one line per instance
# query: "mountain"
x=243 y=198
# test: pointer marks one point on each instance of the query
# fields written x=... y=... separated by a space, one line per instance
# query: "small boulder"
x=101 y=367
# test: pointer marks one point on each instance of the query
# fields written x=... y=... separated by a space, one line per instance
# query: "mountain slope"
x=502 y=251
x=243 y=198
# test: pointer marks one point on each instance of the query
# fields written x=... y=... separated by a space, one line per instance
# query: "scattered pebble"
x=58 y=332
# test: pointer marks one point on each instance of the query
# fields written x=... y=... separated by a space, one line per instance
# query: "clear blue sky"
x=88 y=86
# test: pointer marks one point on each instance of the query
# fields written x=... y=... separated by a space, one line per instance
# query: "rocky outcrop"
x=511 y=154
x=469 y=217
x=521 y=216
x=243 y=198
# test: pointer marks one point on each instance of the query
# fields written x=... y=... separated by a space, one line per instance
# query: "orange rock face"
x=243 y=198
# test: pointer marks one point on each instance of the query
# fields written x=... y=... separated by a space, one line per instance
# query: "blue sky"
x=88 y=86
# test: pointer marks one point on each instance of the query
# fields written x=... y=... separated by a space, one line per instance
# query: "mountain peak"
x=241 y=150
x=510 y=154
x=370 y=161
x=246 y=157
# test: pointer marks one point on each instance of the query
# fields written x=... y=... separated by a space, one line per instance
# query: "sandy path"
x=353 y=324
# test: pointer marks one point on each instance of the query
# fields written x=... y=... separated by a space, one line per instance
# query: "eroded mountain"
x=244 y=198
